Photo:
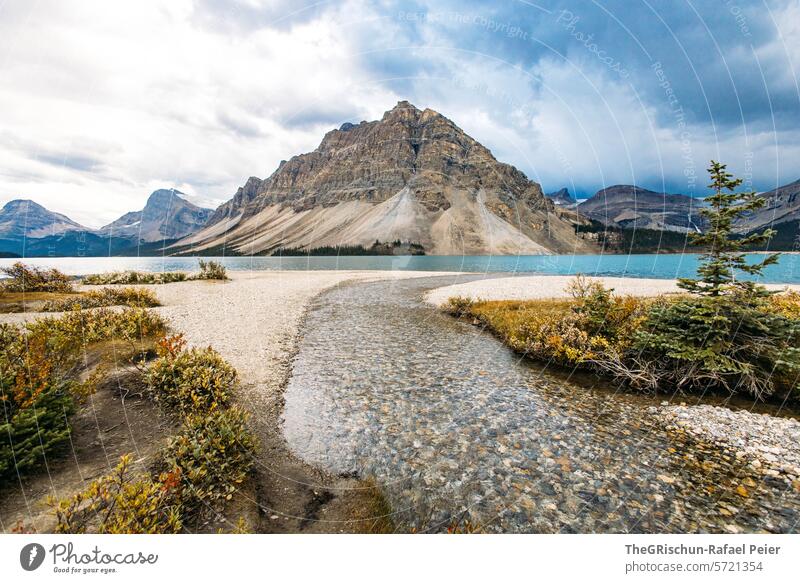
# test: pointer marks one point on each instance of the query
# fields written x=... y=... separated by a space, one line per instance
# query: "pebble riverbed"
x=454 y=427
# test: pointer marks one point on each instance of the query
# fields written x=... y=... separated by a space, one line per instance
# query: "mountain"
x=562 y=197
x=20 y=219
x=782 y=206
x=28 y=229
x=165 y=216
x=634 y=207
x=412 y=176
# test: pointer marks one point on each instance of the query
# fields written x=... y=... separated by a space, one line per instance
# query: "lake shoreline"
x=536 y=287
x=656 y=266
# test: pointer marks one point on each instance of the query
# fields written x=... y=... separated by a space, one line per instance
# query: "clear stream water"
x=656 y=266
x=454 y=426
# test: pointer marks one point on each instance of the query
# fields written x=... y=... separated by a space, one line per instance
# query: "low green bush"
x=121 y=503
x=39 y=363
x=34 y=430
x=213 y=455
x=82 y=327
x=211 y=270
x=109 y=296
x=35 y=399
x=134 y=277
x=22 y=278
x=459 y=306
x=702 y=342
x=199 y=469
x=190 y=381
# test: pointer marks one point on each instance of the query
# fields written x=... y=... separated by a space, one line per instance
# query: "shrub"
x=127 y=296
x=544 y=329
x=198 y=470
x=459 y=306
x=570 y=333
x=211 y=270
x=34 y=429
x=82 y=327
x=35 y=400
x=786 y=304
x=212 y=455
x=134 y=277
x=119 y=503
x=208 y=270
x=704 y=342
x=34 y=279
x=38 y=364
x=190 y=381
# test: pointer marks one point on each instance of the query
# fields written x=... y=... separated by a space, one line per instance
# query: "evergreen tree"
x=725 y=253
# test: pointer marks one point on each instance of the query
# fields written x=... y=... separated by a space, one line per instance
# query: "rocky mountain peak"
x=562 y=197
x=166 y=215
x=22 y=204
x=419 y=163
x=403 y=109
x=26 y=218
x=163 y=195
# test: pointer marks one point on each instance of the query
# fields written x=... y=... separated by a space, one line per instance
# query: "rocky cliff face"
x=782 y=206
x=21 y=219
x=633 y=207
x=165 y=216
x=413 y=175
x=562 y=197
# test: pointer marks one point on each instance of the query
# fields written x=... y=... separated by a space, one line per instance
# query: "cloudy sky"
x=103 y=102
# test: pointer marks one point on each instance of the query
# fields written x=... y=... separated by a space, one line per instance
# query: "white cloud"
x=159 y=100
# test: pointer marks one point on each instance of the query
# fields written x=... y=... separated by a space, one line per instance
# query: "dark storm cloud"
x=707 y=51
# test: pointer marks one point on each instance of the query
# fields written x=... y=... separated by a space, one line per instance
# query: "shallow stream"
x=457 y=428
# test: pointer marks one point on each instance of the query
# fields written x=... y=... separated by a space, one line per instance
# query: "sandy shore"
x=532 y=287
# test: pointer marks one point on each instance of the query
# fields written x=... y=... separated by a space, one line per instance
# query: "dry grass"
x=16 y=302
x=787 y=304
x=655 y=343
x=102 y=298
x=542 y=329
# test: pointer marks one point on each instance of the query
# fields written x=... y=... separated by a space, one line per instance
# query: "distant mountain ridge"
x=28 y=229
x=166 y=215
x=453 y=197
x=412 y=176
x=26 y=219
x=782 y=206
x=562 y=197
x=629 y=206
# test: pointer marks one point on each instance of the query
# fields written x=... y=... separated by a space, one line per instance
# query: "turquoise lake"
x=655 y=266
